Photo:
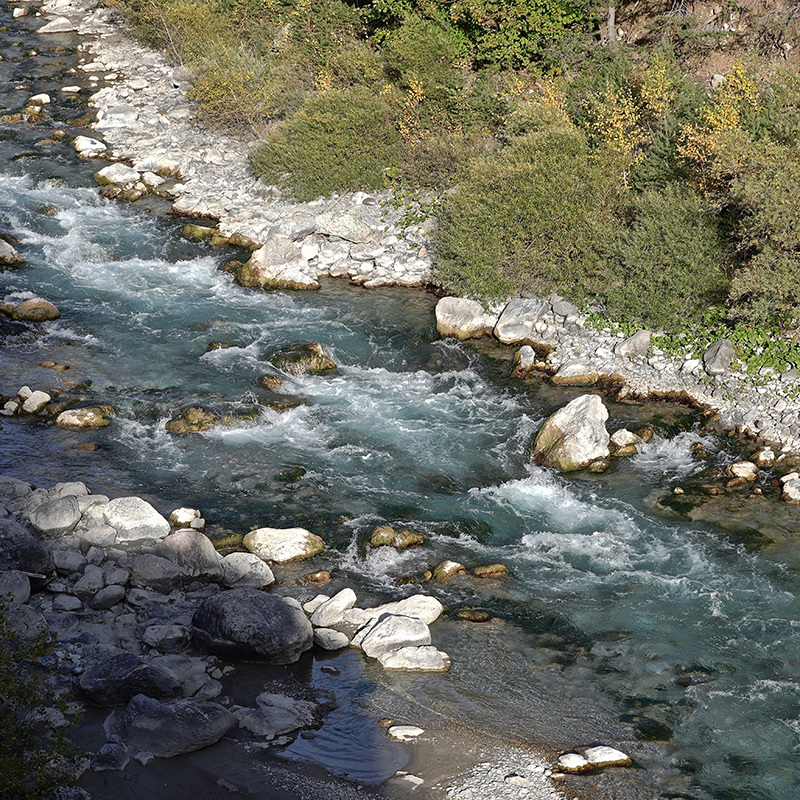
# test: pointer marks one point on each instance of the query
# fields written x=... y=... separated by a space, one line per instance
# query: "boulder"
x=330 y=612
x=246 y=571
x=86 y=418
x=400 y=538
x=718 y=358
x=87 y=147
x=135 y=521
x=193 y=553
x=166 y=729
x=90 y=583
x=35 y=310
x=149 y=571
x=746 y=470
x=279 y=264
x=167 y=638
x=57 y=25
x=345 y=226
x=424 y=659
x=19 y=549
x=790 y=488
x=591 y=759
x=575 y=436
x=15 y=587
x=118 y=678
x=57 y=517
x=330 y=639
x=277 y=714
x=459 y=317
x=446 y=569
x=108 y=597
x=518 y=320
x=524 y=361
x=117 y=174
x=307 y=359
x=575 y=373
x=636 y=345
x=248 y=624
x=423 y=607
x=283 y=545
x=192 y=420
x=8 y=255
x=391 y=632
x=623 y=442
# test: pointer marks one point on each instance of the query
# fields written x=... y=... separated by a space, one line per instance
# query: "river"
x=676 y=642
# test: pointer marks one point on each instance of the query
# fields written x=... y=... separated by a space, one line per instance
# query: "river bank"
x=539 y=650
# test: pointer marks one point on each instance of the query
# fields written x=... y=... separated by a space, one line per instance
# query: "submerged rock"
x=575 y=436
x=423 y=659
x=166 y=729
x=86 y=418
x=447 y=569
x=399 y=538
x=490 y=571
x=307 y=359
x=35 y=310
x=192 y=420
x=250 y=625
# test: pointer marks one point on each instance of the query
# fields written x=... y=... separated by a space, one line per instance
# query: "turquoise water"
x=684 y=636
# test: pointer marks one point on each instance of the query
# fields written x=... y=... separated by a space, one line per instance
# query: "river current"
x=677 y=640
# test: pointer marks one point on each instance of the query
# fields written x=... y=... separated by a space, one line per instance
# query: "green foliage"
x=337 y=140
x=34 y=758
x=527 y=220
x=668 y=262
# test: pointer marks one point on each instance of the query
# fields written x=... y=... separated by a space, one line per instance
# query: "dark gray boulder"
x=20 y=549
x=249 y=625
x=719 y=357
x=170 y=728
x=117 y=679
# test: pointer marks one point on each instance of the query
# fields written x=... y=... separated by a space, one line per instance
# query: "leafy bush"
x=337 y=140
x=34 y=757
x=530 y=219
x=668 y=262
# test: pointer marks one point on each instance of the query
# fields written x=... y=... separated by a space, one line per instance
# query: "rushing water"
x=685 y=637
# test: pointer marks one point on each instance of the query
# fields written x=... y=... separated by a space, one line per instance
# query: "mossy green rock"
x=308 y=359
x=400 y=538
x=193 y=420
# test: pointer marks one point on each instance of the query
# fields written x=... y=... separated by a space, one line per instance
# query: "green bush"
x=337 y=141
x=530 y=219
x=34 y=757
x=668 y=262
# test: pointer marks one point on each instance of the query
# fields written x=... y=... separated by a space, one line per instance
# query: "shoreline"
x=146 y=119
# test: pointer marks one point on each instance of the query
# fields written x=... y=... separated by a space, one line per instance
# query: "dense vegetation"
x=604 y=171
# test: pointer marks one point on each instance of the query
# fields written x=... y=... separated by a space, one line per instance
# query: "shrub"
x=530 y=219
x=34 y=758
x=668 y=262
x=337 y=141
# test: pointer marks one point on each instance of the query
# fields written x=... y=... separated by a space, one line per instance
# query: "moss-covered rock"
x=307 y=359
x=399 y=538
x=193 y=420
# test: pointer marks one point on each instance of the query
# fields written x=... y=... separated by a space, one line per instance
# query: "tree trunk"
x=611 y=27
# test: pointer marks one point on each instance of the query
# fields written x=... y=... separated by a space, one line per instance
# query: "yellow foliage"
x=618 y=125
x=658 y=89
x=410 y=124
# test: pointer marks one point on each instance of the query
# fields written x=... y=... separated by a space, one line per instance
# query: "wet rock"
x=423 y=607
x=636 y=345
x=320 y=577
x=149 y=571
x=107 y=598
x=391 y=632
x=118 y=678
x=192 y=420
x=87 y=147
x=57 y=517
x=423 y=659
x=15 y=587
x=279 y=264
x=518 y=320
x=490 y=571
x=400 y=538
x=135 y=521
x=575 y=373
x=250 y=625
x=575 y=436
x=404 y=733
x=197 y=233
x=790 y=488
x=8 y=255
x=283 y=545
x=474 y=615
x=718 y=358
x=591 y=759
x=623 y=442
x=447 y=569
x=459 y=317
x=35 y=403
x=330 y=612
x=524 y=361
x=746 y=470
x=345 y=226
x=193 y=554
x=90 y=418
x=246 y=571
x=309 y=359
x=35 y=310
x=277 y=714
x=166 y=729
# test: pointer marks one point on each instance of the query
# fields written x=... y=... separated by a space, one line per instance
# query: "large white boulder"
x=575 y=437
x=459 y=317
x=134 y=520
x=517 y=322
x=423 y=607
x=279 y=264
x=391 y=632
x=118 y=174
x=345 y=226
